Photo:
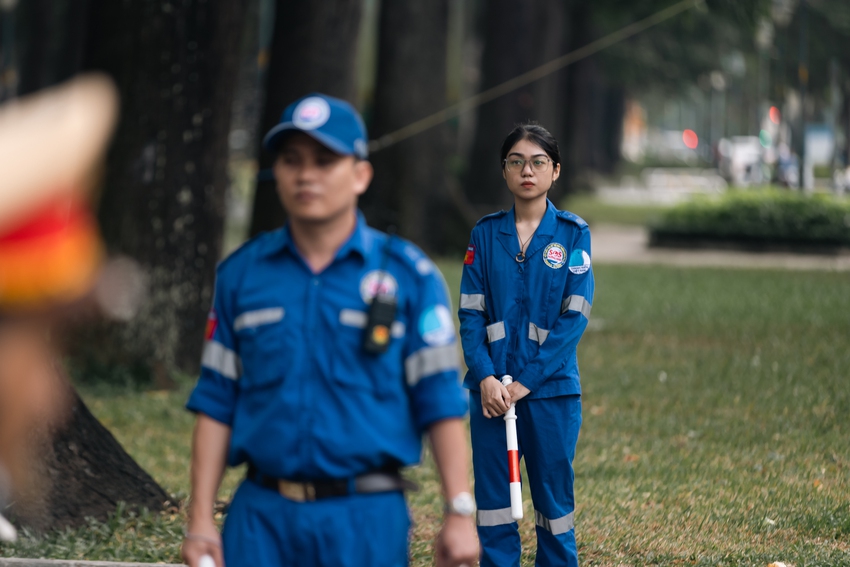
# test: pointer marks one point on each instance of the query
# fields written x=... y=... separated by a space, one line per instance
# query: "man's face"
x=315 y=184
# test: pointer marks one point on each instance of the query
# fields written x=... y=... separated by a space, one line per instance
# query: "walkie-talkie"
x=376 y=338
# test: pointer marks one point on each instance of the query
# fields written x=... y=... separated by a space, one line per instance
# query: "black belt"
x=308 y=491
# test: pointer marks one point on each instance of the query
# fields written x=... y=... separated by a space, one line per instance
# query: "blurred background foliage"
x=201 y=81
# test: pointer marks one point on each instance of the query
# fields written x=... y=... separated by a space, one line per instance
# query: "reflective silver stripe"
x=496 y=331
x=535 y=333
x=472 y=301
x=576 y=303
x=430 y=360
x=494 y=517
x=354 y=318
x=221 y=359
x=257 y=318
x=557 y=526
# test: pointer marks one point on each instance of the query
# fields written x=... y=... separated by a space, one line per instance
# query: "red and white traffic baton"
x=513 y=457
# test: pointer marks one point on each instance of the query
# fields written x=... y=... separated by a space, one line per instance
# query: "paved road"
x=615 y=244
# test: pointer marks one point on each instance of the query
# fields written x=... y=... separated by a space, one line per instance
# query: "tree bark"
x=163 y=201
x=540 y=24
x=83 y=472
x=313 y=50
x=411 y=185
x=50 y=36
x=588 y=127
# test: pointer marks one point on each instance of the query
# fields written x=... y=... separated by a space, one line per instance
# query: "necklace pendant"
x=520 y=257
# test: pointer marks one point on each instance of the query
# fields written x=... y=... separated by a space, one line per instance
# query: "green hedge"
x=762 y=217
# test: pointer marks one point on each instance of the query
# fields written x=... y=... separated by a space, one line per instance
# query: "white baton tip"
x=507 y=379
x=206 y=561
x=7 y=530
x=516 y=501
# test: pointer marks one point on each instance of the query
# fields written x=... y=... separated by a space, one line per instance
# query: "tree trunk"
x=84 y=472
x=163 y=201
x=313 y=50
x=50 y=36
x=411 y=185
x=541 y=25
x=595 y=111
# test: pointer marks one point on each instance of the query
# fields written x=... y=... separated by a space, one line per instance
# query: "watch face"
x=463 y=504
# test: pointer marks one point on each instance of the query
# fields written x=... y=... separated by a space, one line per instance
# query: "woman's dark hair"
x=536 y=134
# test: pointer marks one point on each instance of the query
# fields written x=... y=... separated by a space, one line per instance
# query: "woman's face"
x=529 y=171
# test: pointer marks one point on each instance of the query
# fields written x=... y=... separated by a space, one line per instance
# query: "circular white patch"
x=311 y=113
x=377 y=281
x=579 y=261
x=436 y=325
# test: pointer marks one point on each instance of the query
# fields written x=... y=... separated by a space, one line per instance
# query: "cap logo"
x=311 y=113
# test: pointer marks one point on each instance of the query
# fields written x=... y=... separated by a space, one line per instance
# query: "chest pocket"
x=378 y=374
x=262 y=336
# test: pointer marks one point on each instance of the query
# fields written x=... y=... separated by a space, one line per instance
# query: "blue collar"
x=547 y=226
x=361 y=241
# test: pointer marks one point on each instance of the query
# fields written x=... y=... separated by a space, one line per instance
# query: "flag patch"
x=470 y=255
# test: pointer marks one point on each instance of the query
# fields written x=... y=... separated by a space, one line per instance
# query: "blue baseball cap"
x=330 y=121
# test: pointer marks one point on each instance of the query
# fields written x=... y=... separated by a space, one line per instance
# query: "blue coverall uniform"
x=283 y=366
x=525 y=319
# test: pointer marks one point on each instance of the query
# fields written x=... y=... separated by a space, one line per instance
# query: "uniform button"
x=510 y=356
x=315 y=281
x=518 y=300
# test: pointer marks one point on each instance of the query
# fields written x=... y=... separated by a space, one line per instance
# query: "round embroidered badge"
x=555 y=256
x=375 y=282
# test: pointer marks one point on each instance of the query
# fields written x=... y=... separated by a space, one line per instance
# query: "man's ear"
x=363 y=173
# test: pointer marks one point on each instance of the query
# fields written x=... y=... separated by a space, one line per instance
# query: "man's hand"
x=202 y=538
x=457 y=542
x=495 y=398
x=517 y=391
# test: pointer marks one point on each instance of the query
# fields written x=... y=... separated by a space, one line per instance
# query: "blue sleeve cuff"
x=482 y=370
x=215 y=397
x=438 y=397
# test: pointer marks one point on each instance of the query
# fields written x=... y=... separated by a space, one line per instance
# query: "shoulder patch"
x=496 y=215
x=574 y=218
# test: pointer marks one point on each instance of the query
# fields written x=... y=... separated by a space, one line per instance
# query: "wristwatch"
x=462 y=505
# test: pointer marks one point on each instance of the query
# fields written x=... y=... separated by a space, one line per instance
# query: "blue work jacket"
x=283 y=364
x=526 y=319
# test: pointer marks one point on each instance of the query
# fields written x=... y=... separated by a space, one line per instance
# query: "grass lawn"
x=596 y=211
x=716 y=426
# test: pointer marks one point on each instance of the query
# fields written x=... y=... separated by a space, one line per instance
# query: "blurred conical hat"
x=49 y=142
x=50 y=250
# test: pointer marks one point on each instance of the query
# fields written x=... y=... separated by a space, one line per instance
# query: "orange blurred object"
x=52 y=257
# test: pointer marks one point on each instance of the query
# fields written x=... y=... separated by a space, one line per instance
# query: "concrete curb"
x=13 y=562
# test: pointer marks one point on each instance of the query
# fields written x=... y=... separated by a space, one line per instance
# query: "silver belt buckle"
x=297 y=491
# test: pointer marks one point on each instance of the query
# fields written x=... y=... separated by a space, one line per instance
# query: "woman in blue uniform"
x=526 y=294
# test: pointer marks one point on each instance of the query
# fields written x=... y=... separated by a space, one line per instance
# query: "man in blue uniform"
x=526 y=321
x=330 y=350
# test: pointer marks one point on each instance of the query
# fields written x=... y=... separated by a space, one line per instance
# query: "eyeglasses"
x=539 y=164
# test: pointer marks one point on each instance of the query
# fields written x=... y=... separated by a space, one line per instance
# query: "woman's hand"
x=517 y=391
x=495 y=398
